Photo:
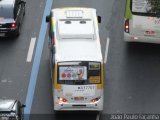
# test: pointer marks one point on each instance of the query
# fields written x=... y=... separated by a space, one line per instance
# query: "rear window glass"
x=140 y=6
x=146 y=7
x=6 y=105
x=6 y=12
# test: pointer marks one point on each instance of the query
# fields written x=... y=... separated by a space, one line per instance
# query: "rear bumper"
x=98 y=106
x=7 y=31
x=146 y=39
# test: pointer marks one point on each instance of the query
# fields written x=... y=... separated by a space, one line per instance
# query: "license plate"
x=150 y=33
x=2 y=34
x=4 y=118
x=78 y=98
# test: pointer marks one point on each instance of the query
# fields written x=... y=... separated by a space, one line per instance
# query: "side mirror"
x=23 y=106
x=47 y=18
x=99 y=19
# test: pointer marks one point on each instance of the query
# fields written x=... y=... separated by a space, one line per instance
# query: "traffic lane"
x=132 y=72
x=115 y=34
x=133 y=82
x=116 y=48
x=145 y=77
x=14 y=70
x=42 y=101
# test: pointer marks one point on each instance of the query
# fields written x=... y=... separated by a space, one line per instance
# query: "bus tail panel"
x=78 y=86
x=67 y=101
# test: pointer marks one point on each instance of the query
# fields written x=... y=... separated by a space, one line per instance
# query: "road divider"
x=31 y=49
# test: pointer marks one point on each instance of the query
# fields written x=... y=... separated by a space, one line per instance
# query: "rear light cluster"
x=9 y=25
x=62 y=100
x=1 y=18
x=126 y=27
x=13 y=25
x=95 y=100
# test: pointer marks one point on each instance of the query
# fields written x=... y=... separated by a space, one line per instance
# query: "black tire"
x=24 y=11
x=15 y=34
x=18 y=31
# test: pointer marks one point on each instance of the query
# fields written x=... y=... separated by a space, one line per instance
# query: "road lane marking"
x=4 y=97
x=31 y=49
x=97 y=118
x=36 y=62
x=106 y=51
x=4 y=81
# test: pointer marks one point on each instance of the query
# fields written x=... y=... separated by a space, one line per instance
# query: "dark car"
x=11 y=17
x=11 y=109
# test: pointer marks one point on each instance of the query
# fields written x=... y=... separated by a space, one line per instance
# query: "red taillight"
x=126 y=26
x=95 y=100
x=62 y=100
x=1 y=18
x=13 y=25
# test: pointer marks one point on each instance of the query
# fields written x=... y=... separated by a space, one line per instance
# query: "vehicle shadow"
x=69 y=115
x=3 y=39
x=143 y=48
x=76 y=115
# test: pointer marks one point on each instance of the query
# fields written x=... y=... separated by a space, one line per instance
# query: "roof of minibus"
x=75 y=50
x=76 y=41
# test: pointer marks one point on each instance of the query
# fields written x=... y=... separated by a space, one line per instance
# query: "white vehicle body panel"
x=138 y=27
x=142 y=28
x=77 y=41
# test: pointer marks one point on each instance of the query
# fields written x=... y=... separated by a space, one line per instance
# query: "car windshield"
x=145 y=7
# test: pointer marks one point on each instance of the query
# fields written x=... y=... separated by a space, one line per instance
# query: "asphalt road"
x=132 y=82
x=14 y=70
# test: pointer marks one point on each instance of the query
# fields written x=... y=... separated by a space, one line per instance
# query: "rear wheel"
x=18 y=31
x=24 y=11
x=15 y=34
